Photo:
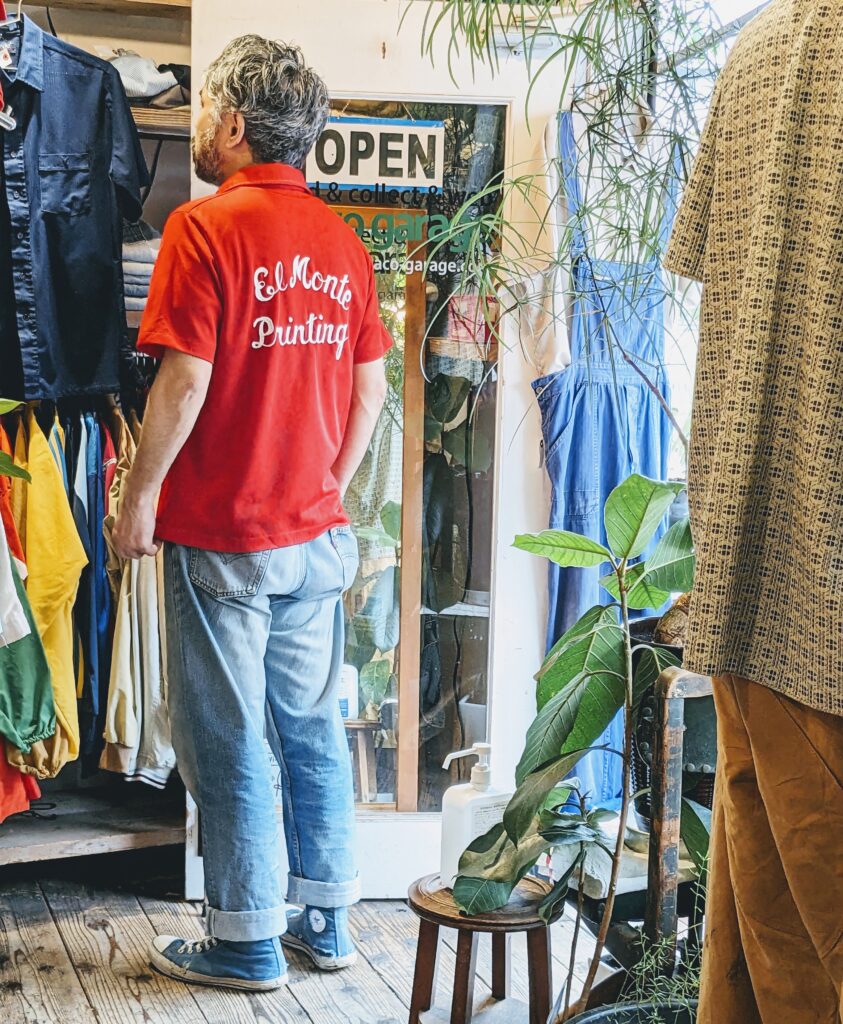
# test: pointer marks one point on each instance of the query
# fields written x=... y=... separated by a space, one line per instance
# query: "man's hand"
x=134 y=531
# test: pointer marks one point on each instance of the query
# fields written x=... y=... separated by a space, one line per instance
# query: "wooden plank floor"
x=74 y=934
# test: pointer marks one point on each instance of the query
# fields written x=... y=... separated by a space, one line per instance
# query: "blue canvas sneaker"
x=323 y=935
x=251 y=966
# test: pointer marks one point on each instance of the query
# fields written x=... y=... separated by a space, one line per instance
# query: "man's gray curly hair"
x=283 y=102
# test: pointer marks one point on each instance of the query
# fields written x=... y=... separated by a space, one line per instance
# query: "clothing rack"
x=102 y=813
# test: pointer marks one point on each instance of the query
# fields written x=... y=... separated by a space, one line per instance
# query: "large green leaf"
x=377 y=623
x=550 y=728
x=565 y=829
x=564 y=548
x=651 y=663
x=596 y=616
x=8 y=405
x=695 y=830
x=599 y=651
x=530 y=796
x=560 y=795
x=8 y=468
x=671 y=565
x=640 y=593
x=633 y=513
x=391 y=519
x=492 y=866
x=374 y=680
x=573 y=719
x=550 y=905
x=602 y=698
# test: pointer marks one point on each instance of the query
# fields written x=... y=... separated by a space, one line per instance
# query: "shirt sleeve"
x=686 y=250
x=128 y=164
x=184 y=307
x=373 y=339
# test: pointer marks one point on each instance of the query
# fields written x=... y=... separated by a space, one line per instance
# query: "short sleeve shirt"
x=267 y=283
x=70 y=170
x=761 y=225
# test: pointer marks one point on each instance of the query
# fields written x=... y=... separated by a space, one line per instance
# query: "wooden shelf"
x=173 y=124
x=146 y=8
x=85 y=823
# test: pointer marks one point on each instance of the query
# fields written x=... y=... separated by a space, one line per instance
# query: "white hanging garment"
x=543 y=295
x=13 y=624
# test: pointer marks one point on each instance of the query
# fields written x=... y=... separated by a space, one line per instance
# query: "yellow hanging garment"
x=55 y=559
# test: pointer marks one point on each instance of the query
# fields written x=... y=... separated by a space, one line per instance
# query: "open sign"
x=365 y=151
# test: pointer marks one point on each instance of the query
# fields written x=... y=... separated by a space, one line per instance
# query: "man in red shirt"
x=264 y=313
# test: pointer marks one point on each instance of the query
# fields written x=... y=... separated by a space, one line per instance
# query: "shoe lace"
x=199 y=946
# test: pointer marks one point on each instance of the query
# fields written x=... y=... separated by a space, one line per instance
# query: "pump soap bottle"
x=468 y=810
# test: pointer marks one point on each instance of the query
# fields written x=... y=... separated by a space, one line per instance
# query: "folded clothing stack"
x=140 y=251
x=148 y=84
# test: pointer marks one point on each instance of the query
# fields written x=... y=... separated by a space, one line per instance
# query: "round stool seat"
x=435 y=906
x=430 y=900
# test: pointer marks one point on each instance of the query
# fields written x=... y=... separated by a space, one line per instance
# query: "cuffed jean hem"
x=327 y=895
x=245 y=925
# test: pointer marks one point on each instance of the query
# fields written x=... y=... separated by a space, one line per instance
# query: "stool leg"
x=372 y=756
x=363 y=767
x=424 y=980
x=359 y=795
x=501 y=966
x=462 y=1005
x=539 y=966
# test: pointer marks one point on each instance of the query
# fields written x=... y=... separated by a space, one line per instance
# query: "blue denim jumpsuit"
x=601 y=423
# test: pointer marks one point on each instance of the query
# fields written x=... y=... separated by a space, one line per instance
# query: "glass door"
x=417 y=656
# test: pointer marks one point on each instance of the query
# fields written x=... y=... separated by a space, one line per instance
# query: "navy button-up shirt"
x=69 y=172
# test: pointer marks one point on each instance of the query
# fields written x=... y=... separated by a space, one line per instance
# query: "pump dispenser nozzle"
x=481 y=773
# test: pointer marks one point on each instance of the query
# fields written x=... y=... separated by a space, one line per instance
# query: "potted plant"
x=596 y=669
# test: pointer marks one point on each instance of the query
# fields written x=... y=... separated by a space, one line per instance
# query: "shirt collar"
x=266 y=174
x=31 y=57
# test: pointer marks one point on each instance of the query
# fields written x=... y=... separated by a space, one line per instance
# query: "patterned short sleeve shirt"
x=761 y=225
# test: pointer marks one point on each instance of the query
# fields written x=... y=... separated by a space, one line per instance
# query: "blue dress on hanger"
x=601 y=423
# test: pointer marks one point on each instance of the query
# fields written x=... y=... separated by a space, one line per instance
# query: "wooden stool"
x=437 y=909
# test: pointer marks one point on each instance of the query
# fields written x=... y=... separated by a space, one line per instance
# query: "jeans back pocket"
x=345 y=544
x=222 y=574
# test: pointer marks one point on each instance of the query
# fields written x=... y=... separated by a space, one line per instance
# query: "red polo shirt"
x=266 y=282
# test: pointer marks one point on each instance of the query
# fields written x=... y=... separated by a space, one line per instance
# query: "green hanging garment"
x=27 y=711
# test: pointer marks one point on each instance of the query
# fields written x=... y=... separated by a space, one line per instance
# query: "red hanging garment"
x=16 y=789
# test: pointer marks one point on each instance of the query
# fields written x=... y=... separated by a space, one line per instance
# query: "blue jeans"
x=255 y=649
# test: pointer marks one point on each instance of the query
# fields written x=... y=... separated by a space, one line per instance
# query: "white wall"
x=357 y=47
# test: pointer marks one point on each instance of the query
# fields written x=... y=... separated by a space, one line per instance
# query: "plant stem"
x=606 y=921
x=578 y=922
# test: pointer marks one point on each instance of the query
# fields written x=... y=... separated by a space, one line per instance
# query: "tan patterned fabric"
x=761 y=225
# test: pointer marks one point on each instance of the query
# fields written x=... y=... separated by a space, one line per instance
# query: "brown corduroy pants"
x=774 y=920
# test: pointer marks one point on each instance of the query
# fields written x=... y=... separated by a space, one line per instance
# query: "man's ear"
x=234 y=127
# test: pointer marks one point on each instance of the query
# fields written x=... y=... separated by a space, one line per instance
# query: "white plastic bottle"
x=468 y=810
x=349 y=695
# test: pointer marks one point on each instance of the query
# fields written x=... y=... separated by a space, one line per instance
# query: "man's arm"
x=175 y=401
x=366 y=404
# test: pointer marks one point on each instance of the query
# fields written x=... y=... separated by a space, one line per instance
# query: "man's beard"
x=206 y=159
